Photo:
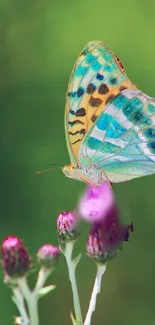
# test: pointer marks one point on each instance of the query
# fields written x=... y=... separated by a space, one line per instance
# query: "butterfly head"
x=88 y=175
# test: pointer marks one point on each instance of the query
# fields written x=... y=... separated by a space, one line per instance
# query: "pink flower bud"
x=48 y=255
x=67 y=226
x=15 y=258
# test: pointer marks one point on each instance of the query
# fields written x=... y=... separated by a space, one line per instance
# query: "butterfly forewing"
x=97 y=78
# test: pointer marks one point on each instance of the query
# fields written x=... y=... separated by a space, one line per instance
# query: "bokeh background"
x=39 y=42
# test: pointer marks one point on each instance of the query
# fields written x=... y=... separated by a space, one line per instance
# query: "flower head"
x=67 y=226
x=48 y=255
x=95 y=202
x=103 y=241
x=15 y=258
x=99 y=207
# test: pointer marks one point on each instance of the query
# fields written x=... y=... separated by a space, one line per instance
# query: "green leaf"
x=74 y=321
x=44 y=291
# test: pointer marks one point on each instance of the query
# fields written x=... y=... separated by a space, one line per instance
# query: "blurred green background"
x=39 y=42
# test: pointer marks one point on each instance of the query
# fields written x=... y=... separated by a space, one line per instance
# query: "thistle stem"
x=19 y=301
x=32 y=304
x=42 y=277
x=96 y=289
x=32 y=297
x=31 y=300
x=71 y=270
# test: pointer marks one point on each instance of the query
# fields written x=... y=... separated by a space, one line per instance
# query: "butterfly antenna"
x=48 y=170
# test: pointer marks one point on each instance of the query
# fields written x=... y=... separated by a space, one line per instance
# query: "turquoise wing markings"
x=122 y=140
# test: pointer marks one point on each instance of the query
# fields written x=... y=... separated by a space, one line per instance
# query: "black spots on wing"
x=91 y=88
x=82 y=131
x=95 y=102
x=113 y=81
x=103 y=89
x=110 y=99
x=78 y=140
x=99 y=76
x=79 y=112
x=77 y=93
x=72 y=112
x=94 y=117
x=122 y=88
x=83 y=53
x=80 y=92
x=72 y=123
x=71 y=94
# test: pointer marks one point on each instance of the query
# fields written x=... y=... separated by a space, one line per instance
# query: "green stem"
x=19 y=301
x=71 y=270
x=96 y=289
x=31 y=300
x=42 y=277
x=33 y=310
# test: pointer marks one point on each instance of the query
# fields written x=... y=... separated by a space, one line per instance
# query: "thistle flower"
x=48 y=255
x=15 y=258
x=95 y=202
x=103 y=241
x=99 y=207
x=67 y=226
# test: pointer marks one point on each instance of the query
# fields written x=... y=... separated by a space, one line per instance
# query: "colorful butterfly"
x=109 y=123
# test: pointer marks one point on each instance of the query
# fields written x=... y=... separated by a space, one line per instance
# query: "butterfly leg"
x=104 y=177
x=85 y=180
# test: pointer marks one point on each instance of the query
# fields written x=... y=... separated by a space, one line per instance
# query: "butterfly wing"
x=122 y=141
x=97 y=77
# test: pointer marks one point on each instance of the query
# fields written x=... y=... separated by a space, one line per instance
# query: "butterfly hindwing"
x=98 y=76
x=122 y=140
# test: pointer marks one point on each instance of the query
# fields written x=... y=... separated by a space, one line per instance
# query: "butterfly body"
x=109 y=123
x=90 y=175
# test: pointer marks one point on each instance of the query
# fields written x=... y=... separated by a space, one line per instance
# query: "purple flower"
x=48 y=255
x=98 y=206
x=96 y=202
x=67 y=226
x=105 y=238
x=15 y=258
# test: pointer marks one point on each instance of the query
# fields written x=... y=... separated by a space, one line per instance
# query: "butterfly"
x=109 y=122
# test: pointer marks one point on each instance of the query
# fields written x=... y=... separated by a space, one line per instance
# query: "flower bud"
x=67 y=226
x=15 y=258
x=102 y=244
x=48 y=255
